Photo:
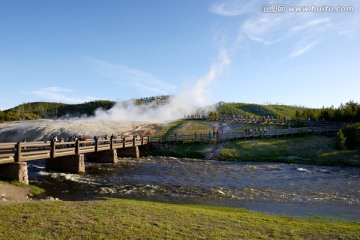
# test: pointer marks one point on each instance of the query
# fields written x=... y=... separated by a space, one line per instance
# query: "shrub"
x=340 y=140
x=352 y=134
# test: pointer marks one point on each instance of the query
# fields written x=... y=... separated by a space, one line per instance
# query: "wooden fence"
x=268 y=120
x=268 y=133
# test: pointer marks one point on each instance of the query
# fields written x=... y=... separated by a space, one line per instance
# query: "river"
x=276 y=188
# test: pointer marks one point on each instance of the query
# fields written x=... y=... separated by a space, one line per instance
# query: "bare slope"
x=46 y=129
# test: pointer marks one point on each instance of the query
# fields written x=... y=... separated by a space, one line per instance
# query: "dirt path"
x=213 y=150
x=11 y=194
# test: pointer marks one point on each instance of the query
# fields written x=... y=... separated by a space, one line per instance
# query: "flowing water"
x=289 y=189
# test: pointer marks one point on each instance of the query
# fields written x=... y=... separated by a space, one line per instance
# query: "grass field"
x=312 y=150
x=131 y=219
x=166 y=129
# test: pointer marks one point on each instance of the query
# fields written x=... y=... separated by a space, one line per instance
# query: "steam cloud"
x=186 y=103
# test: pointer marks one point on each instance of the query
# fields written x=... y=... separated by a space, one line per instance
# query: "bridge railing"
x=7 y=152
x=27 y=151
x=61 y=149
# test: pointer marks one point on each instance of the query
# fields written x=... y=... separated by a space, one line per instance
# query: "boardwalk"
x=324 y=128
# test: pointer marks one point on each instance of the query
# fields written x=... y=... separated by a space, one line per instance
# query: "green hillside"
x=257 y=110
x=87 y=108
x=38 y=110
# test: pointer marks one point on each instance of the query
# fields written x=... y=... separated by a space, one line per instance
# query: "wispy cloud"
x=133 y=77
x=232 y=8
x=294 y=28
x=302 y=49
x=59 y=94
x=266 y=29
x=310 y=24
x=271 y=29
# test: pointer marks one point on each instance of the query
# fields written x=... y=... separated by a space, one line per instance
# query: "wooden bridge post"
x=18 y=152
x=77 y=147
x=124 y=141
x=53 y=149
x=96 y=144
x=111 y=142
x=142 y=140
x=134 y=139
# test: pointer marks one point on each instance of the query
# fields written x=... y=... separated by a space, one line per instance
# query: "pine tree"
x=340 y=140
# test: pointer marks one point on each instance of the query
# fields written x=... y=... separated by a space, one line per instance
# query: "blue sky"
x=74 y=51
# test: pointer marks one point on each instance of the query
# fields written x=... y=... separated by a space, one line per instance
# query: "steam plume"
x=186 y=103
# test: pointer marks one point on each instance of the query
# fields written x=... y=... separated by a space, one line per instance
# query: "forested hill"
x=350 y=112
x=39 y=110
x=257 y=110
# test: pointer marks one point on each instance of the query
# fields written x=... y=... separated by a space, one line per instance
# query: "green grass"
x=165 y=130
x=319 y=150
x=34 y=190
x=194 y=126
x=311 y=150
x=190 y=150
x=131 y=219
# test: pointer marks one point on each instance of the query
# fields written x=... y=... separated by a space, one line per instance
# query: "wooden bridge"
x=65 y=156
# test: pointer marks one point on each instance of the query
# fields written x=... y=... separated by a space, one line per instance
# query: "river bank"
x=132 y=219
x=317 y=150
